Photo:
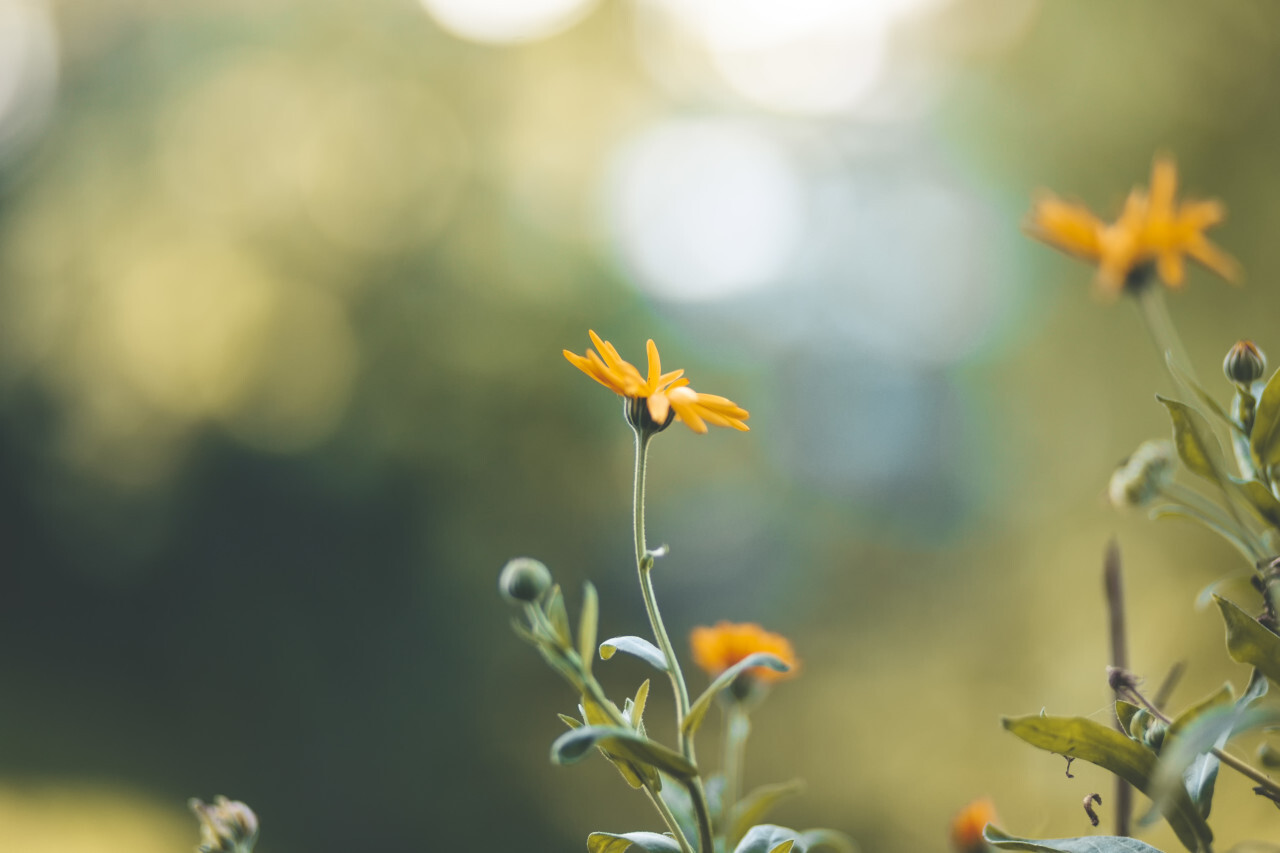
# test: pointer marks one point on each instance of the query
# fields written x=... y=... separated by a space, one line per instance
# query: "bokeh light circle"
x=705 y=209
x=505 y=21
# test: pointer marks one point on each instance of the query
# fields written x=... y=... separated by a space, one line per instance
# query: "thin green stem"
x=737 y=727
x=644 y=568
x=1155 y=316
x=670 y=819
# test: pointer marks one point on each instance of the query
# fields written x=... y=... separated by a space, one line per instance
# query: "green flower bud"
x=1244 y=363
x=1148 y=729
x=1141 y=477
x=523 y=580
x=227 y=826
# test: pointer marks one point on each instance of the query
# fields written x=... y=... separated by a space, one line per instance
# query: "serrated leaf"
x=587 y=625
x=1197 y=447
x=636 y=647
x=573 y=746
x=1087 y=844
x=698 y=709
x=755 y=805
x=1264 y=438
x=558 y=616
x=767 y=838
x=838 y=841
x=637 y=707
x=608 y=842
x=1078 y=737
x=1248 y=641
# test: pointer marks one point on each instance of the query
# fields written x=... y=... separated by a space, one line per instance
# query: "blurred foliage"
x=283 y=288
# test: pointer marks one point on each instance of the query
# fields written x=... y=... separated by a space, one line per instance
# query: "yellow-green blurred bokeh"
x=283 y=289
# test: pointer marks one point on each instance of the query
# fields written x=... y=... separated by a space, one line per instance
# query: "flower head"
x=967 y=826
x=660 y=396
x=1152 y=230
x=227 y=826
x=717 y=648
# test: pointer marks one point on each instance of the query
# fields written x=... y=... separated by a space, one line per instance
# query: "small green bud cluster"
x=1143 y=475
x=1245 y=363
x=1148 y=729
x=227 y=826
x=524 y=580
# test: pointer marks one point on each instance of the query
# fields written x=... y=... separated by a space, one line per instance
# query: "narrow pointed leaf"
x=1248 y=641
x=698 y=709
x=571 y=722
x=1078 y=737
x=573 y=746
x=637 y=647
x=1262 y=501
x=829 y=838
x=1197 y=447
x=784 y=847
x=587 y=624
x=637 y=707
x=1264 y=439
x=607 y=842
x=558 y=617
x=1088 y=844
x=754 y=806
x=767 y=838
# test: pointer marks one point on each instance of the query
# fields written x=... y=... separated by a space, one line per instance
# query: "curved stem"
x=644 y=567
x=1155 y=316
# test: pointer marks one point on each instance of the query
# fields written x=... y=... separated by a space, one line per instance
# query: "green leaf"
x=637 y=707
x=1180 y=511
x=635 y=775
x=637 y=647
x=571 y=722
x=1088 y=844
x=1188 y=760
x=607 y=842
x=838 y=841
x=1264 y=439
x=1204 y=396
x=767 y=838
x=1078 y=737
x=755 y=805
x=558 y=616
x=1125 y=712
x=1196 y=444
x=1261 y=499
x=698 y=709
x=1248 y=641
x=587 y=624
x=573 y=746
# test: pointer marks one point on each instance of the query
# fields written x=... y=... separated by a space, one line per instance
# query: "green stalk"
x=644 y=567
x=1149 y=298
x=737 y=727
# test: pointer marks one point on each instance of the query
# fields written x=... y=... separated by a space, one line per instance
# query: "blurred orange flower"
x=663 y=393
x=1152 y=229
x=967 y=826
x=718 y=648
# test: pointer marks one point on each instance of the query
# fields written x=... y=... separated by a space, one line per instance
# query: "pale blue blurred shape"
x=705 y=209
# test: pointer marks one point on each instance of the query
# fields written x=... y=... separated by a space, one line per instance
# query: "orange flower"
x=1151 y=229
x=665 y=395
x=716 y=649
x=967 y=826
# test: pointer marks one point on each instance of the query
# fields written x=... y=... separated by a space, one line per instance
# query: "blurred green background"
x=283 y=289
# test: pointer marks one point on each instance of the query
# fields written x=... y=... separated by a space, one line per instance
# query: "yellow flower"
x=718 y=648
x=1151 y=229
x=967 y=826
x=665 y=395
x=1174 y=230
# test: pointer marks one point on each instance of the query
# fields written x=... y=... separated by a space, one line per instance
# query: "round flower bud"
x=226 y=826
x=524 y=579
x=1141 y=477
x=1244 y=363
